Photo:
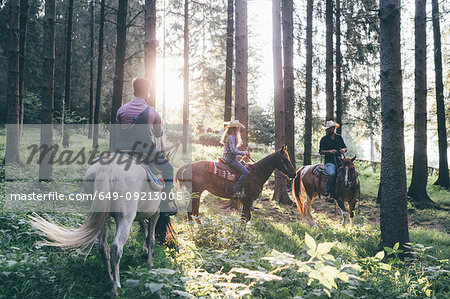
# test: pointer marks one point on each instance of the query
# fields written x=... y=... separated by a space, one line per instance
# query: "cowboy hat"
x=330 y=124
x=234 y=123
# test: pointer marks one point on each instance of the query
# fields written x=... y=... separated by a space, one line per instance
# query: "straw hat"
x=234 y=123
x=330 y=124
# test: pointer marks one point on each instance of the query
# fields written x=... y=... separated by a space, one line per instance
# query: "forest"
x=285 y=72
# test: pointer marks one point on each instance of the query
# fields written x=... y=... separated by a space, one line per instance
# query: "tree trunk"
x=229 y=63
x=280 y=190
x=12 y=117
x=329 y=60
x=48 y=86
x=308 y=88
x=24 y=10
x=119 y=67
x=288 y=78
x=393 y=213
x=98 y=91
x=443 y=179
x=418 y=188
x=150 y=47
x=241 y=101
x=91 y=78
x=66 y=100
x=186 y=78
x=339 y=102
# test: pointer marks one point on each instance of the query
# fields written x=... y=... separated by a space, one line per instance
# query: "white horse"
x=107 y=179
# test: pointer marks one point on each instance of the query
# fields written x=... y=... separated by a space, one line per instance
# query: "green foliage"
x=261 y=125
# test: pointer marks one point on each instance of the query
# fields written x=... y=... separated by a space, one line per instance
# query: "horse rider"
x=331 y=146
x=138 y=122
x=231 y=139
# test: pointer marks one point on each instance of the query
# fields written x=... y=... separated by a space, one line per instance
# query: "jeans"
x=331 y=178
x=236 y=165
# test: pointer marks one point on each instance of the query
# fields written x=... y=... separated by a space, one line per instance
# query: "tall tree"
x=119 y=66
x=443 y=179
x=280 y=190
x=329 y=60
x=418 y=188
x=150 y=47
x=393 y=214
x=287 y=8
x=339 y=104
x=241 y=77
x=12 y=118
x=66 y=100
x=91 y=73
x=308 y=87
x=98 y=91
x=186 y=77
x=48 y=87
x=24 y=10
x=229 y=62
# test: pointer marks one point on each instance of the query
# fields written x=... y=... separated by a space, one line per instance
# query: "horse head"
x=348 y=172
x=284 y=164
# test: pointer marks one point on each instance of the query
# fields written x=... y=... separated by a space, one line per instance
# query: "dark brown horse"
x=202 y=179
x=306 y=187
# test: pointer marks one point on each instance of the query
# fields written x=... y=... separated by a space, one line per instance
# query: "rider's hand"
x=343 y=150
x=333 y=151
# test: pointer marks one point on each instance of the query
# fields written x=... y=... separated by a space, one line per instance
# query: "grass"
x=208 y=255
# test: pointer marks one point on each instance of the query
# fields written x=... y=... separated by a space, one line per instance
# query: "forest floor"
x=223 y=258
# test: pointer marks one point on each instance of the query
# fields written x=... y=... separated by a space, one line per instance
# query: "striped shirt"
x=230 y=146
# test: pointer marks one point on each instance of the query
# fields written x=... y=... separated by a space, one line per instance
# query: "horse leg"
x=351 y=209
x=310 y=218
x=144 y=226
x=344 y=212
x=150 y=239
x=246 y=209
x=123 y=227
x=195 y=206
x=103 y=248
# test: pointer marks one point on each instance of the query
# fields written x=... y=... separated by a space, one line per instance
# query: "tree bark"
x=329 y=60
x=12 y=117
x=241 y=101
x=229 y=62
x=186 y=78
x=150 y=47
x=91 y=77
x=24 y=10
x=393 y=213
x=308 y=87
x=418 y=187
x=119 y=67
x=280 y=190
x=339 y=102
x=443 y=178
x=66 y=100
x=98 y=91
x=287 y=8
x=48 y=86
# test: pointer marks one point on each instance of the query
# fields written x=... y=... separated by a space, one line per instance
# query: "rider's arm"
x=156 y=124
x=231 y=146
x=323 y=151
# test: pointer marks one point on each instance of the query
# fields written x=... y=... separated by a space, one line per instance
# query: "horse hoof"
x=145 y=256
x=114 y=293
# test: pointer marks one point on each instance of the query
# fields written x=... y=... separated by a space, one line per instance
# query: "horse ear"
x=353 y=159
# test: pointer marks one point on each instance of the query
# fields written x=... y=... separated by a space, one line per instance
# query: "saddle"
x=223 y=170
x=154 y=176
x=320 y=172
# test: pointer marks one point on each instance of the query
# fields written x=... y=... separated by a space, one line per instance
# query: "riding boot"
x=168 y=207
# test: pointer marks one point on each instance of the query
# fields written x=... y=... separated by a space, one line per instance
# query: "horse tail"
x=65 y=237
x=181 y=178
x=297 y=191
x=165 y=232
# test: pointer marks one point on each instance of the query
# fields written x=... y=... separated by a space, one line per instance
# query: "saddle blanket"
x=154 y=176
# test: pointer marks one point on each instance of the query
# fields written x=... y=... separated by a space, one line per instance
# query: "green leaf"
x=380 y=255
x=131 y=283
x=154 y=287
x=324 y=248
x=396 y=246
x=310 y=242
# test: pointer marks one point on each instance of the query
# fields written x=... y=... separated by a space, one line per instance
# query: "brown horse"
x=202 y=179
x=306 y=187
